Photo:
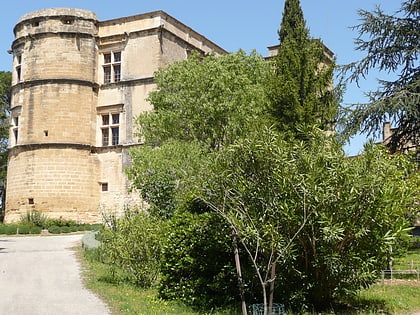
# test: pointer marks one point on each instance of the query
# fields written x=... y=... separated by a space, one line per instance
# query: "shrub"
x=35 y=218
x=23 y=229
x=54 y=229
x=133 y=243
x=197 y=262
x=65 y=229
x=60 y=222
x=10 y=229
x=35 y=230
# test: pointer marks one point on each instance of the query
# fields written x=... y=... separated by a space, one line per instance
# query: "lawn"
x=396 y=297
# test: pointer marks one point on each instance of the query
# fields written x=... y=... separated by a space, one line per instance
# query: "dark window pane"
x=115 y=136
x=117 y=73
x=107 y=74
x=105 y=120
x=117 y=57
x=107 y=58
x=105 y=137
x=115 y=119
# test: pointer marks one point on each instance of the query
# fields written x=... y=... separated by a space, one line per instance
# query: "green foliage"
x=163 y=174
x=12 y=229
x=325 y=220
x=390 y=42
x=5 y=90
x=54 y=229
x=133 y=244
x=35 y=218
x=301 y=90
x=212 y=100
x=197 y=262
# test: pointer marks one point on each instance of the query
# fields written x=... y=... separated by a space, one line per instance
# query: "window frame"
x=110 y=128
x=111 y=66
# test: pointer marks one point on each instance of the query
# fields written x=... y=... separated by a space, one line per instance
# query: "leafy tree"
x=164 y=174
x=311 y=220
x=5 y=89
x=391 y=44
x=211 y=100
x=301 y=89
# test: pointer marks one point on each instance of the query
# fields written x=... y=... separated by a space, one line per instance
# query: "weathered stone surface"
x=58 y=163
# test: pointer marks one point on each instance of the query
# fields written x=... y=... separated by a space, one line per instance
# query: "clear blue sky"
x=232 y=24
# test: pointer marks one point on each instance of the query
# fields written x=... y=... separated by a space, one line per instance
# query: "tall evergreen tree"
x=302 y=92
x=391 y=44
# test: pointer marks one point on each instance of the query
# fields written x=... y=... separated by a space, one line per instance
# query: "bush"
x=133 y=243
x=65 y=229
x=10 y=229
x=35 y=230
x=197 y=262
x=54 y=229
x=59 y=222
x=34 y=218
x=23 y=229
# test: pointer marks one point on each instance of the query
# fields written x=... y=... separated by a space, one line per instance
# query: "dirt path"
x=41 y=275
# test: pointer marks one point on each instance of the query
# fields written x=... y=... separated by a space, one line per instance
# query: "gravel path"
x=41 y=275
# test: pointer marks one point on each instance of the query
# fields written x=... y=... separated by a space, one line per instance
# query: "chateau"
x=77 y=85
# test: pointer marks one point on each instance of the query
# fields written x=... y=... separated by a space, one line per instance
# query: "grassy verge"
x=389 y=298
x=124 y=299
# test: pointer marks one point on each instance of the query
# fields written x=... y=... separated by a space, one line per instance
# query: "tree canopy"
x=5 y=85
x=391 y=44
x=212 y=100
x=301 y=88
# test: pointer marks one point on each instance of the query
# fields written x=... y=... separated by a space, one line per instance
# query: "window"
x=107 y=74
x=15 y=128
x=19 y=68
x=110 y=129
x=104 y=186
x=112 y=67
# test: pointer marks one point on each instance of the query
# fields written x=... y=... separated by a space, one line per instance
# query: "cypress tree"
x=302 y=93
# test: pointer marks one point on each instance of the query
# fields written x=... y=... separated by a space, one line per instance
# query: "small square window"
x=31 y=201
x=104 y=186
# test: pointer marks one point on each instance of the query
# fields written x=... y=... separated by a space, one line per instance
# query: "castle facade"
x=77 y=85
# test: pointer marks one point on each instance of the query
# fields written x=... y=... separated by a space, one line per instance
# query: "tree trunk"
x=239 y=272
x=272 y=276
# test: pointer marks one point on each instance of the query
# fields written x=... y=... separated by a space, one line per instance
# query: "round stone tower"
x=54 y=94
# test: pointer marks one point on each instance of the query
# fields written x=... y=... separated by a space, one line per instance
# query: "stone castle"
x=77 y=85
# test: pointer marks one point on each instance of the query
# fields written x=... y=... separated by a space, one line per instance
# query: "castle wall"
x=77 y=86
x=59 y=181
x=54 y=94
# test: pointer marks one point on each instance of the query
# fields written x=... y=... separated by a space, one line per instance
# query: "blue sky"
x=232 y=24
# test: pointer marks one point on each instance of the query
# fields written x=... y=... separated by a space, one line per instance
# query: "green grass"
x=388 y=299
x=396 y=298
x=412 y=258
x=124 y=299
